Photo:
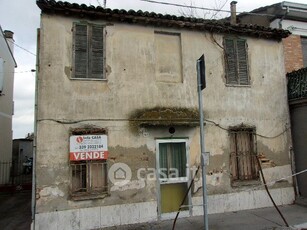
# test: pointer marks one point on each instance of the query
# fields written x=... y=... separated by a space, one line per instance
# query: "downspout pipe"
x=33 y=202
x=285 y=14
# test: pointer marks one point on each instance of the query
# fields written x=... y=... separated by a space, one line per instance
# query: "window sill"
x=86 y=196
x=239 y=86
x=240 y=183
x=89 y=79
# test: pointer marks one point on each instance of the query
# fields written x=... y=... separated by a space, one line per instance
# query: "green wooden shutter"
x=242 y=62
x=80 y=51
x=96 y=55
x=231 y=61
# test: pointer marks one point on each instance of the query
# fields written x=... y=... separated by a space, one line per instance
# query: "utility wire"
x=185 y=197
x=202 y=8
x=268 y=192
x=68 y=122
x=28 y=51
x=258 y=187
x=99 y=3
x=25 y=71
x=23 y=48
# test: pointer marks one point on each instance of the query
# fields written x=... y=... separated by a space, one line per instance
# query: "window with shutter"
x=243 y=157
x=236 y=61
x=88 y=51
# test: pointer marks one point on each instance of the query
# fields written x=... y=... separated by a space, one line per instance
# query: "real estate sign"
x=88 y=147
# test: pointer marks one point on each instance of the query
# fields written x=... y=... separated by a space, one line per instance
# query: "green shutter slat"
x=97 y=60
x=231 y=64
x=242 y=62
x=80 y=51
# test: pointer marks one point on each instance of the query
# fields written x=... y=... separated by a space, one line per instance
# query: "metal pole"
x=33 y=201
x=202 y=145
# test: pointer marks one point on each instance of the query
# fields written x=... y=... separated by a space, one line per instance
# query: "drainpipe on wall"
x=233 y=10
x=283 y=17
x=33 y=202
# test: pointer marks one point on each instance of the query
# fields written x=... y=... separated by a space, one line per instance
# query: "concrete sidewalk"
x=255 y=219
x=15 y=213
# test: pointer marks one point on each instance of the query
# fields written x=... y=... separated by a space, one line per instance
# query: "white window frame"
x=160 y=181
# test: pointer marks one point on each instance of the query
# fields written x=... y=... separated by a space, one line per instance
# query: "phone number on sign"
x=90 y=146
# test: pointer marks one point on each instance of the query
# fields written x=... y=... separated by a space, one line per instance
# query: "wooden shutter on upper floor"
x=242 y=62
x=231 y=63
x=80 y=51
x=236 y=61
x=97 y=57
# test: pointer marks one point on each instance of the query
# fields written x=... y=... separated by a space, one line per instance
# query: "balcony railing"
x=297 y=84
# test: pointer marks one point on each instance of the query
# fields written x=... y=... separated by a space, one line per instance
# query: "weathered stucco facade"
x=136 y=85
x=7 y=67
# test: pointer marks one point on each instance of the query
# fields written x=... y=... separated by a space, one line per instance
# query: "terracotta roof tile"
x=155 y=19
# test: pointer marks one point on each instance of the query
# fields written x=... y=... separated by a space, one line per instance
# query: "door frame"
x=185 y=213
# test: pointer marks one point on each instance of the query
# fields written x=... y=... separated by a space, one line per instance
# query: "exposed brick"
x=293 y=53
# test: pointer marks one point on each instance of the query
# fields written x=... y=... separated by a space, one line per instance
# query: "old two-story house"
x=117 y=131
x=293 y=17
x=7 y=67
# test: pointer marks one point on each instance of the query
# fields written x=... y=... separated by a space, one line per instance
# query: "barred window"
x=243 y=161
x=89 y=178
x=236 y=61
x=88 y=51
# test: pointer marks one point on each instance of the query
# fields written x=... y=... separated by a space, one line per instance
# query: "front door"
x=172 y=174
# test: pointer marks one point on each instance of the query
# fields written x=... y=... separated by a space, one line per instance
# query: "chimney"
x=9 y=37
x=233 y=10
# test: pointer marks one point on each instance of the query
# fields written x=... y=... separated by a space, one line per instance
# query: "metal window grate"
x=243 y=165
x=89 y=177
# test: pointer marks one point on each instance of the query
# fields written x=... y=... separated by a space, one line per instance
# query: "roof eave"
x=146 y=18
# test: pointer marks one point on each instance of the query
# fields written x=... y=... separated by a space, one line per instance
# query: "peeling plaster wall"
x=130 y=85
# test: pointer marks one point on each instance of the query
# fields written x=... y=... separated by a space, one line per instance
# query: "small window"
x=236 y=61
x=88 y=51
x=304 y=49
x=89 y=178
x=243 y=161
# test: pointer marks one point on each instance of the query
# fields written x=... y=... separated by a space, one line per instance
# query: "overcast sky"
x=22 y=17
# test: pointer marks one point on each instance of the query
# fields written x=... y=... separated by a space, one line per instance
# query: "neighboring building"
x=289 y=16
x=7 y=67
x=117 y=108
x=22 y=153
x=297 y=94
x=293 y=17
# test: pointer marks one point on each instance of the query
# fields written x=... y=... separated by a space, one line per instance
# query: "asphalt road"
x=15 y=211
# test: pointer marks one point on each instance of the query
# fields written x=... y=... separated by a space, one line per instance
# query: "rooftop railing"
x=297 y=84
